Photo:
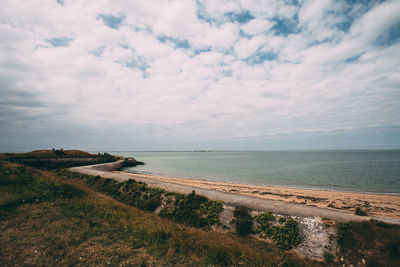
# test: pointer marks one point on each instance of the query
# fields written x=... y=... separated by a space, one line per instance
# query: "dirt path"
x=294 y=209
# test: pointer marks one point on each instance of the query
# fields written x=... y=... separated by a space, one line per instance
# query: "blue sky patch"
x=227 y=73
x=391 y=37
x=202 y=14
x=242 y=17
x=244 y=35
x=111 y=21
x=98 y=52
x=62 y=41
x=61 y=2
x=177 y=42
x=354 y=58
x=285 y=27
x=138 y=63
x=199 y=51
x=260 y=57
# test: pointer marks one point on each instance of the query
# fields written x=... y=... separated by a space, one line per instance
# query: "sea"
x=374 y=171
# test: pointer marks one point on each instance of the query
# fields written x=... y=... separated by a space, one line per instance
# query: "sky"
x=199 y=74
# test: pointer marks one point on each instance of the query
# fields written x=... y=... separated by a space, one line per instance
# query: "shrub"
x=244 y=221
x=186 y=209
x=328 y=257
x=360 y=212
x=288 y=235
x=211 y=210
x=265 y=219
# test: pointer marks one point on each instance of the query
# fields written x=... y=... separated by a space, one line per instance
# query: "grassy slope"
x=376 y=242
x=53 y=159
x=45 y=154
x=48 y=220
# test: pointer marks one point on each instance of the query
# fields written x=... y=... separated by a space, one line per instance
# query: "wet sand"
x=292 y=201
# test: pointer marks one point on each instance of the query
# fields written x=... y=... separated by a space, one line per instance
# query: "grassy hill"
x=50 y=220
x=58 y=158
x=54 y=153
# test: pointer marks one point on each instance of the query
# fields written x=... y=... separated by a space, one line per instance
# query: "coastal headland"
x=180 y=221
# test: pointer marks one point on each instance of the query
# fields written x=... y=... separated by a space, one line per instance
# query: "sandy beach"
x=333 y=204
x=380 y=205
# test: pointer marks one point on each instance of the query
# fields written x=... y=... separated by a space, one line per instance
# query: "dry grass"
x=94 y=229
x=376 y=242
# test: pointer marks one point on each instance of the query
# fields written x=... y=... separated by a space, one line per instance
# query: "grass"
x=90 y=228
x=20 y=185
x=191 y=209
x=54 y=153
x=53 y=159
x=376 y=242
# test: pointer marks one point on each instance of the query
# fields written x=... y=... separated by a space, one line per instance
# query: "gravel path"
x=106 y=170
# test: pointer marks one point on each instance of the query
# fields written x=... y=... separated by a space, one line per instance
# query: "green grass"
x=191 y=209
x=53 y=159
x=90 y=228
x=21 y=185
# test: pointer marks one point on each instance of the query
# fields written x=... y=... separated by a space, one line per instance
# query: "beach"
x=300 y=202
x=379 y=205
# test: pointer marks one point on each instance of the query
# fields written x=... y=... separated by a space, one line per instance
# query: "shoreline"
x=386 y=205
x=263 y=185
x=335 y=205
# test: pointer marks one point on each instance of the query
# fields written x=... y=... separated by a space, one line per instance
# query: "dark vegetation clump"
x=376 y=242
x=328 y=257
x=243 y=221
x=286 y=234
x=130 y=162
x=265 y=222
x=191 y=209
x=59 y=158
x=360 y=212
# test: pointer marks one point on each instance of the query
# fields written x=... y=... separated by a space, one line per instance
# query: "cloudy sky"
x=186 y=74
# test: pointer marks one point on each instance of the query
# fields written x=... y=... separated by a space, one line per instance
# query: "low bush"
x=288 y=235
x=265 y=222
x=243 y=221
x=210 y=211
x=192 y=209
x=328 y=257
x=360 y=212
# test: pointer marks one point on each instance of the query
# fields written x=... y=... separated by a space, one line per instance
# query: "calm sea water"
x=359 y=171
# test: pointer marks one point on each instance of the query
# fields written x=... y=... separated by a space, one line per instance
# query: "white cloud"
x=257 y=26
x=377 y=21
x=204 y=89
